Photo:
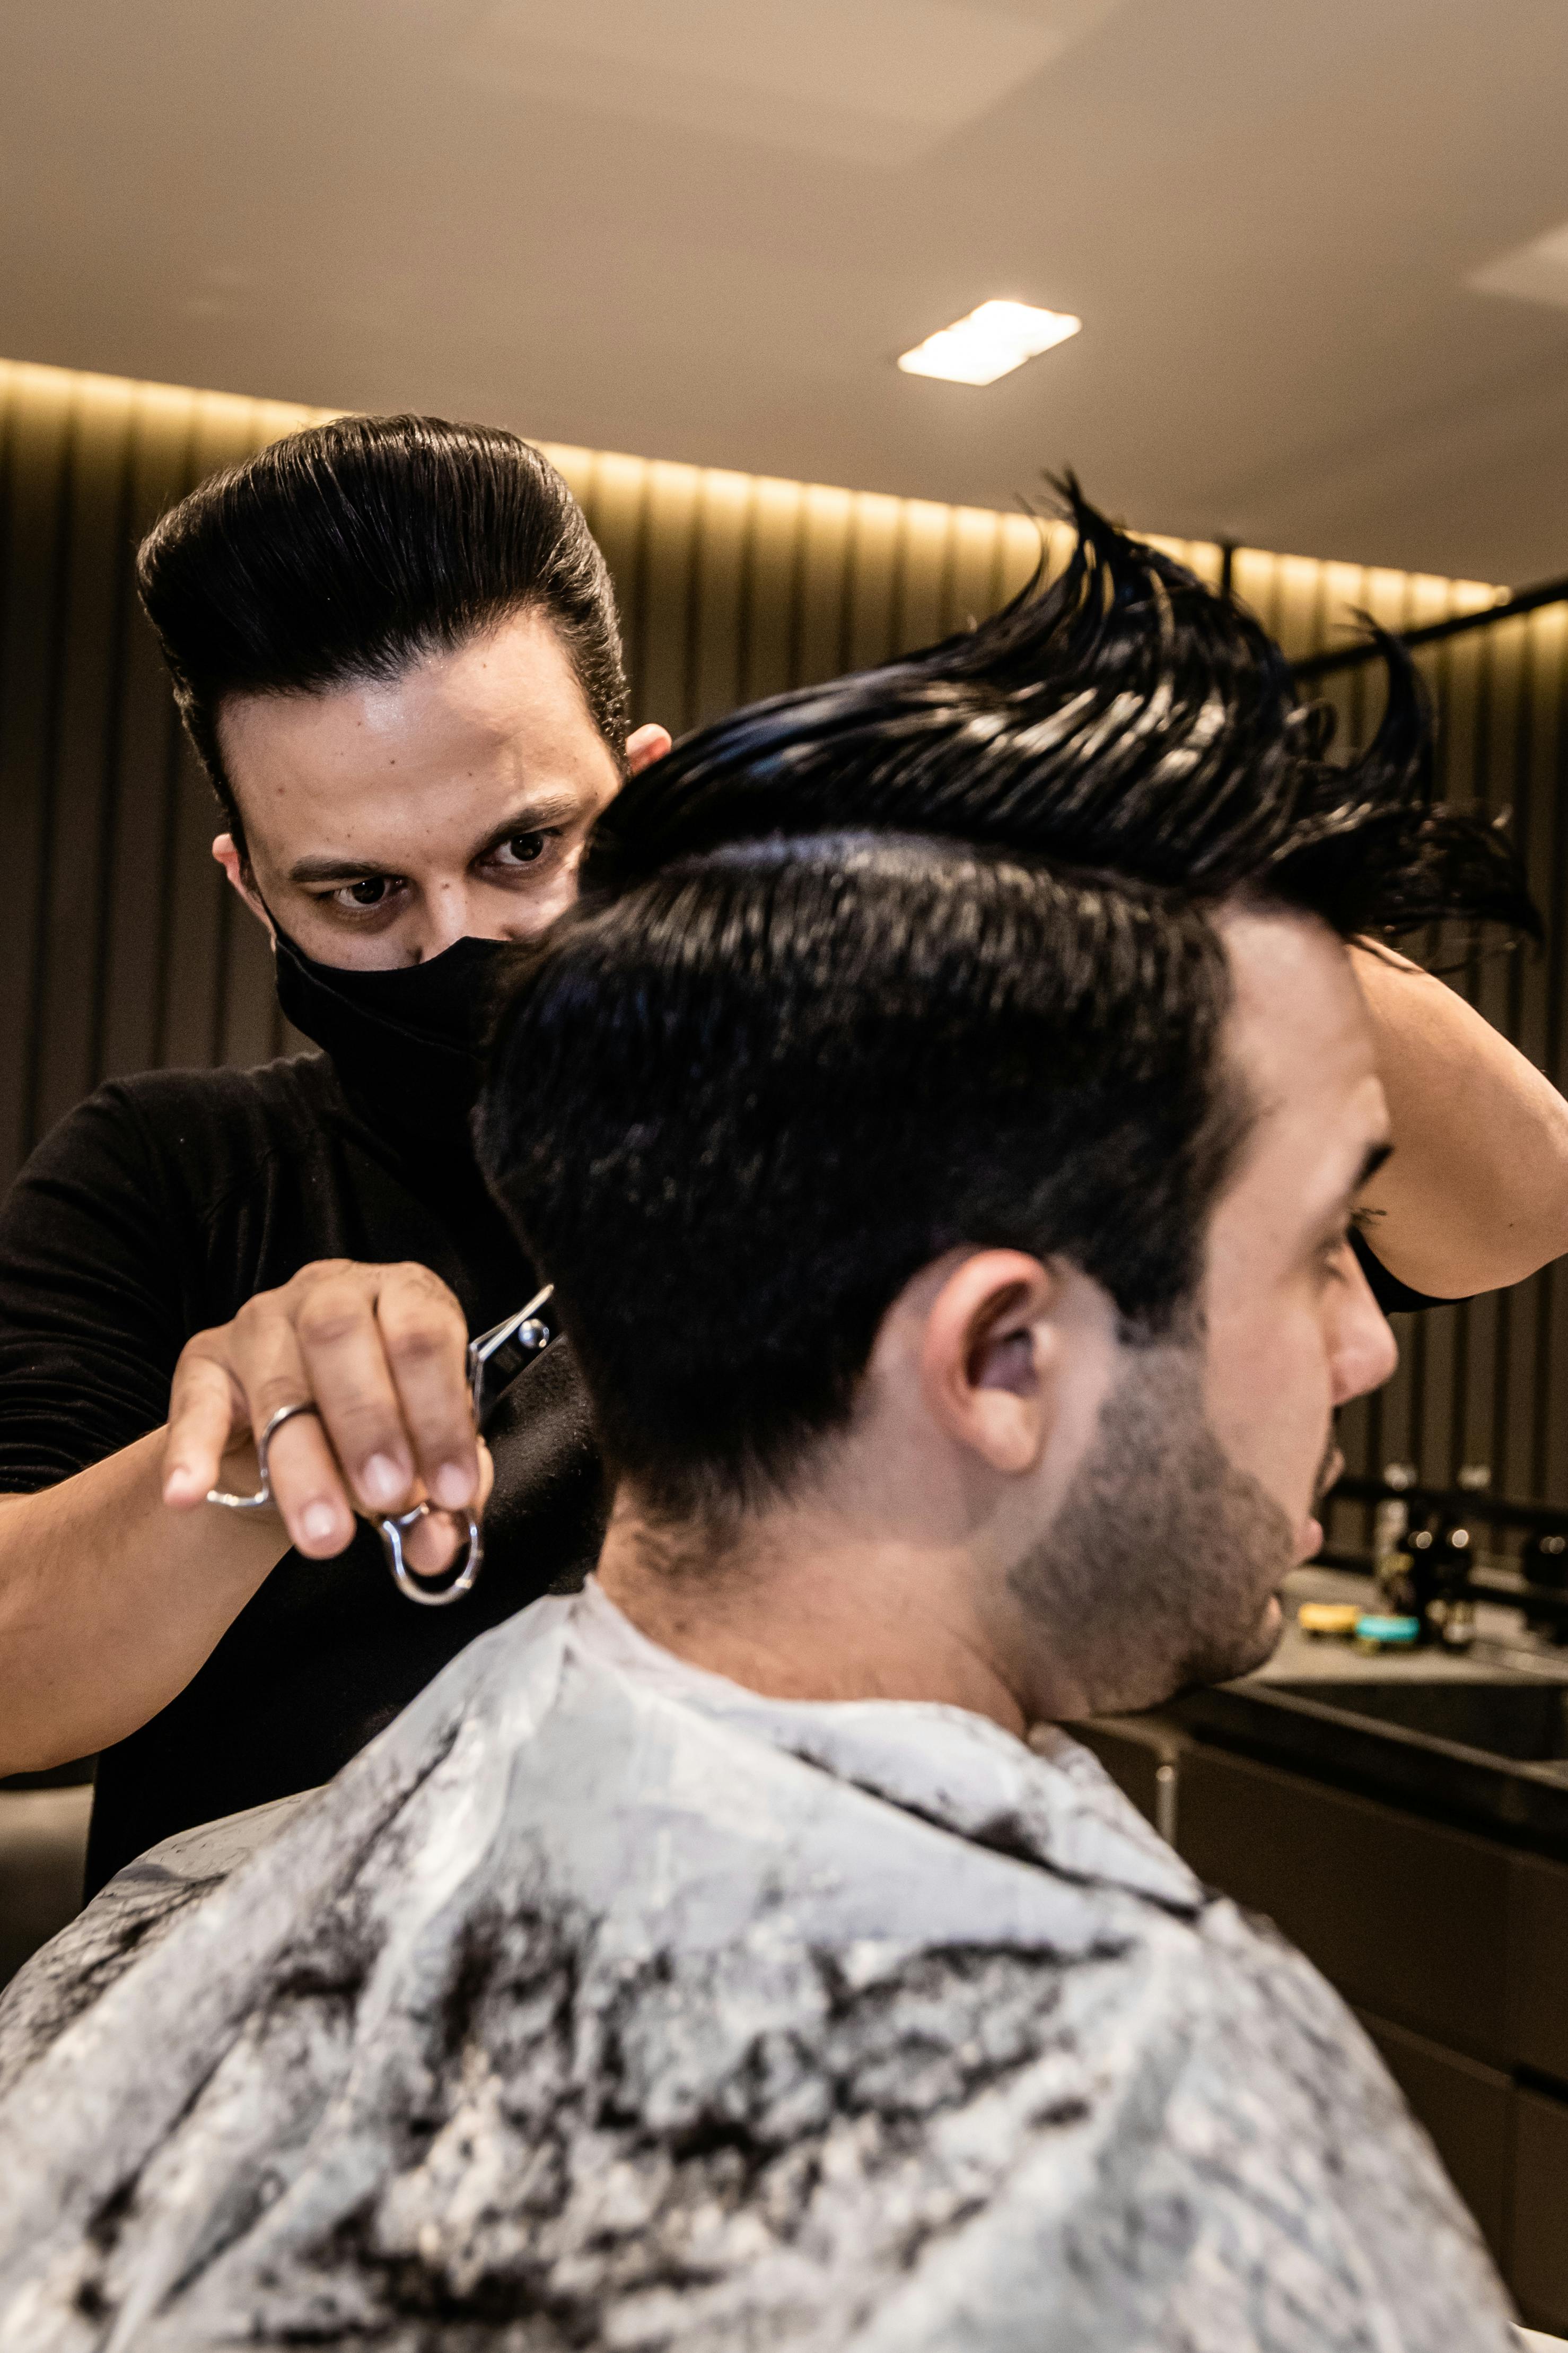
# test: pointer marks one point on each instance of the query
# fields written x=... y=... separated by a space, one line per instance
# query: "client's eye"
x=1332 y=1256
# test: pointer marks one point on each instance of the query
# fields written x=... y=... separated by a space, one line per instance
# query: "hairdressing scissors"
x=506 y=1346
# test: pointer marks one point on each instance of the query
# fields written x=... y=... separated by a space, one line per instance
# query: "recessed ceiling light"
x=993 y=339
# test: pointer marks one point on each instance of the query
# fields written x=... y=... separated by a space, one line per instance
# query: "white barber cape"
x=601 y=2003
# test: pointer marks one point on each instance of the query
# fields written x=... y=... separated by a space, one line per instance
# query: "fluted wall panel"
x=122 y=950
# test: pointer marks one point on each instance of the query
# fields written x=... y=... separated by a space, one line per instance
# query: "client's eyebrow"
x=1343 y=1207
x=1375 y=1158
x=533 y=817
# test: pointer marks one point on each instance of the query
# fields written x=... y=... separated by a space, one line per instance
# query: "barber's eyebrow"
x=533 y=817
x=339 y=870
x=550 y=808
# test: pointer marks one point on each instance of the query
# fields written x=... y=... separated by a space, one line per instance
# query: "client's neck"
x=798 y=1604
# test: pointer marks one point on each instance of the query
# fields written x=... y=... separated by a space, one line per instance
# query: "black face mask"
x=406 y=1044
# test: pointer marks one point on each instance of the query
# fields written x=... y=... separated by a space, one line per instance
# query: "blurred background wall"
x=124 y=950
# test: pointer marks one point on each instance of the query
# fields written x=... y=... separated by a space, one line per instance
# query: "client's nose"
x=1365 y=1351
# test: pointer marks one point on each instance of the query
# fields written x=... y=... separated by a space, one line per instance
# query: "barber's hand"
x=381 y=1353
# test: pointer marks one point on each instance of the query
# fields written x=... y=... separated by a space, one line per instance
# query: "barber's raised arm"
x=116 y=1584
x=1476 y=1194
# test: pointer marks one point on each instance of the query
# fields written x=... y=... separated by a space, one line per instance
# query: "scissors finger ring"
x=391 y=1532
x=262 y=1499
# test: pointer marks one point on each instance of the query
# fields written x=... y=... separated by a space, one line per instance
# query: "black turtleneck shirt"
x=154 y=1211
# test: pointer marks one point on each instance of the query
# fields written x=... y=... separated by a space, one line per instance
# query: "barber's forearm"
x=1476 y=1194
x=110 y=1602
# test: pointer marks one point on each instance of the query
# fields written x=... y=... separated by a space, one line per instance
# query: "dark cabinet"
x=1538 y=2264
x=43 y=1838
x=1538 y=1974
x=1452 y=1948
x=1468 y=2111
x=1408 y=1919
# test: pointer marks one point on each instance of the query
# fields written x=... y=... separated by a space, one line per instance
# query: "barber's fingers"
x=307 y=1489
x=381 y=1354
x=426 y=1345
x=434 y=1543
x=220 y=1402
x=207 y=1406
x=263 y=1351
x=344 y=1351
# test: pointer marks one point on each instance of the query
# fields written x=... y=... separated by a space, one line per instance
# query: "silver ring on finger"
x=262 y=1499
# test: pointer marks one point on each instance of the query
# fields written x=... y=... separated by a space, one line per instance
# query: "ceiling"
x=704 y=229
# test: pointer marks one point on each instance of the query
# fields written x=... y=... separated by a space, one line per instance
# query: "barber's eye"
x=372 y=894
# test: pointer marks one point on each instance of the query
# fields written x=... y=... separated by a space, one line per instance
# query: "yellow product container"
x=1337 y=1618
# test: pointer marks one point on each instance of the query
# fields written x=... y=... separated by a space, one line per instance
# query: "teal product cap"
x=1388 y=1632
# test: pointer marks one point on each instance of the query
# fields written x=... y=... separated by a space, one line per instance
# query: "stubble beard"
x=1159 y=1568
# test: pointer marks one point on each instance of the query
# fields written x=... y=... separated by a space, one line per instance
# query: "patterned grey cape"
x=601 y=2003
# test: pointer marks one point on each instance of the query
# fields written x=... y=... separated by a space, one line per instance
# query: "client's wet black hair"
x=923 y=958
x=1122 y=715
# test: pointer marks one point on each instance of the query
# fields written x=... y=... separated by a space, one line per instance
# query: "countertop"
x=1501 y=1644
x=1315 y=1707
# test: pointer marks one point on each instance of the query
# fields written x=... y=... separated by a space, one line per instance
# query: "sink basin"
x=1521 y=1716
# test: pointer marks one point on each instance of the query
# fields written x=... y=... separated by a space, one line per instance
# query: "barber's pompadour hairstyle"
x=919 y=958
x=347 y=552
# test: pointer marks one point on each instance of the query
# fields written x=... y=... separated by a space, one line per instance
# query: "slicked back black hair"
x=353 y=549
x=919 y=958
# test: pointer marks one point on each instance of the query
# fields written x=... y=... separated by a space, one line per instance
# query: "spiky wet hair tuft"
x=1121 y=716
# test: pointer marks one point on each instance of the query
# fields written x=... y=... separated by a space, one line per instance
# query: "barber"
x=394 y=647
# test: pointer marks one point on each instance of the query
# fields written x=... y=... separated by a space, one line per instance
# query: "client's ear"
x=989 y=1357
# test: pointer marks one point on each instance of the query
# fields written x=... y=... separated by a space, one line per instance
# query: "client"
x=708 y=1959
